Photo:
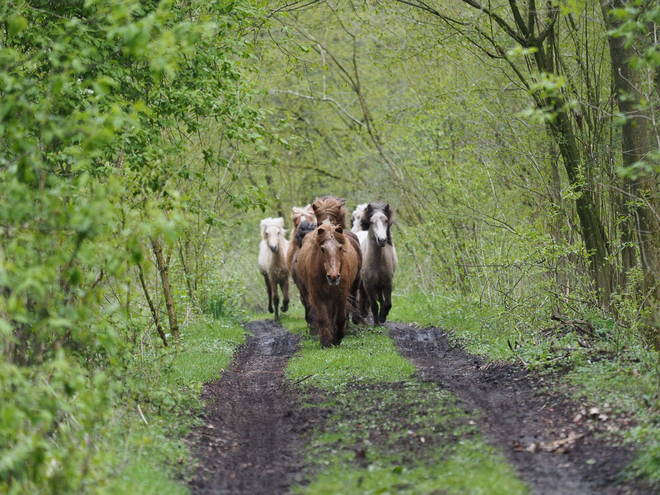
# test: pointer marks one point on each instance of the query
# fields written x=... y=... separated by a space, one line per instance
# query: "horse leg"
x=276 y=300
x=310 y=316
x=270 y=295
x=353 y=301
x=339 y=325
x=323 y=321
x=373 y=300
x=285 y=294
x=386 y=305
x=364 y=302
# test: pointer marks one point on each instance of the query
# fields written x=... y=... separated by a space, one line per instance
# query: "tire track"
x=251 y=441
x=515 y=418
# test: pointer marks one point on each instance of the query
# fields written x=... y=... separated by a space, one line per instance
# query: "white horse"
x=379 y=260
x=272 y=263
x=356 y=222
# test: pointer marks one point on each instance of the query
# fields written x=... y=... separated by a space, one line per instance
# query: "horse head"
x=377 y=219
x=272 y=231
x=331 y=241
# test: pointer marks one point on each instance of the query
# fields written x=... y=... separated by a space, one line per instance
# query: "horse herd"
x=338 y=272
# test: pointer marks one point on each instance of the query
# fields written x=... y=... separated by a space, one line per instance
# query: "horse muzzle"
x=382 y=241
x=273 y=248
x=333 y=280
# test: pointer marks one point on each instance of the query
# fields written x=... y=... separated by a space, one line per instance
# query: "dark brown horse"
x=304 y=222
x=328 y=265
x=329 y=209
x=380 y=261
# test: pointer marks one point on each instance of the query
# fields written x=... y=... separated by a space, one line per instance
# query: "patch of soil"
x=536 y=431
x=251 y=440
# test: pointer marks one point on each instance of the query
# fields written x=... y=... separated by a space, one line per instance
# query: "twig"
x=142 y=415
x=302 y=379
x=309 y=376
x=516 y=354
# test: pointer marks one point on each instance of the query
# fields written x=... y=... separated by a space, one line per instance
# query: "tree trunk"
x=636 y=143
x=164 y=270
x=593 y=233
x=152 y=308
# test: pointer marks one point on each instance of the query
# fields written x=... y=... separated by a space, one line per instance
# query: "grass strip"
x=386 y=431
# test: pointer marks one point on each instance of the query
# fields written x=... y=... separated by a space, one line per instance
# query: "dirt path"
x=254 y=435
x=252 y=439
x=521 y=422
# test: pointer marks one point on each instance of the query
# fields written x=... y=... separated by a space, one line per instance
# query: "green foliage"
x=104 y=106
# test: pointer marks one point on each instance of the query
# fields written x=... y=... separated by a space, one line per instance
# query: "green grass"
x=365 y=355
x=414 y=439
x=157 y=455
x=472 y=469
x=208 y=346
x=480 y=329
x=376 y=404
x=145 y=479
x=616 y=369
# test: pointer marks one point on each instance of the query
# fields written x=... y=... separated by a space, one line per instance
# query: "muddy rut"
x=251 y=440
x=253 y=437
x=536 y=432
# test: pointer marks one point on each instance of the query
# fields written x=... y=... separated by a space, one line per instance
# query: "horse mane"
x=302 y=230
x=326 y=231
x=270 y=222
x=356 y=216
x=298 y=212
x=384 y=208
x=332 y=209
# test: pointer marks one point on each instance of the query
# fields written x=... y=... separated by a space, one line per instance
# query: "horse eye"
x=323 y=250
x=341 y=249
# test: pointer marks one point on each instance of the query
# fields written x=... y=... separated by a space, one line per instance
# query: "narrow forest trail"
x=255 y=430
x=251 y=440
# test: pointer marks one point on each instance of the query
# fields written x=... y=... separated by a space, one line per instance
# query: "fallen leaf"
x=564 y=442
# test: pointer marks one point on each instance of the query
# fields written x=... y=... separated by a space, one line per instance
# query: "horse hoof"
x=270 y=309
x=313 y=331
x=284 y=308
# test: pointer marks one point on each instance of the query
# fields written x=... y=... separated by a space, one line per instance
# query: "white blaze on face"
x=272 y=237
x=379 y=228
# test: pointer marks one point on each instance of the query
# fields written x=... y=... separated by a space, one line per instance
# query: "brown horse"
x=328 y=266
x=329 y=209
x=304 y=222
x=299 y=215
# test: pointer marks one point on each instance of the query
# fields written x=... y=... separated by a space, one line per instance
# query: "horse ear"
x=279 y=222
x=315 y=207
x=388 y=211
x=369 y=208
